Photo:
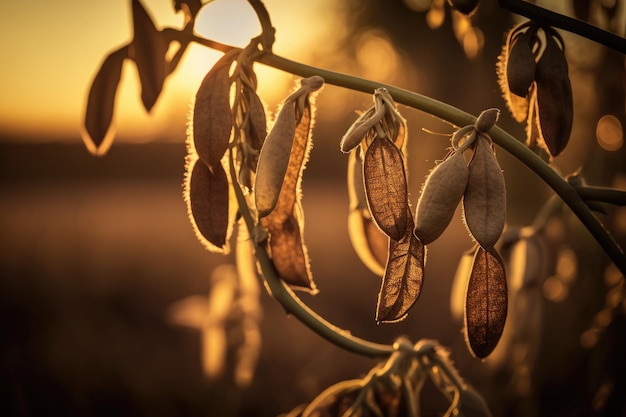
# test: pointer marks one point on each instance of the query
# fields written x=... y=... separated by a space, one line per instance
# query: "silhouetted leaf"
x=484 y=200
x=385 y=186
x=148 y=50
x=212 y=118
x=486 y=303
x=404 y=275
x=285 y=223
x=101 y=101
x=554 y=97
x=207 y=195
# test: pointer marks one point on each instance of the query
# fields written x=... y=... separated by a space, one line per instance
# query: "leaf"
x=274 y=160
x=101 y=102
x=485 y=303
x=404 y=275
x=207 y=196
x=148 y=50
x=554 y=97
x=386 y=187
x=285 y=223
x=212 y=117
x=368 y=241
x=484 y=200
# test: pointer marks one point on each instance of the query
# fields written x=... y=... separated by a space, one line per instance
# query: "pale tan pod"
x=274 y=159
x=440 y=196
x=484 y=201
x=487 y=119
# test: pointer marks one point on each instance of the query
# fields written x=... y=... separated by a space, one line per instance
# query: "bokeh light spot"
x=566 y=264
x=554 y=289
x=609 y=133
x=376 y=56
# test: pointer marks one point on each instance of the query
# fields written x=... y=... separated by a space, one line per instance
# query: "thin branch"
x=602 y=194
x=291 y=302
x=569 y=24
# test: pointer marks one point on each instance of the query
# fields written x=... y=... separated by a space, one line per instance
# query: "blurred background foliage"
x=94 y=251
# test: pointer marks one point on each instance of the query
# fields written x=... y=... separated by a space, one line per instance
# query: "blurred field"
x=92 y=253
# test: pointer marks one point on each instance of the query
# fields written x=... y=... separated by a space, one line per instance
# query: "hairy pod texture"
x=440 y=196
x=484 y=200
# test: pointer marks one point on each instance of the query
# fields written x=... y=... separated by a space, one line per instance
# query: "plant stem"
x=602 y=194
x=550 y=18
x=291 y=302
x=458 y=117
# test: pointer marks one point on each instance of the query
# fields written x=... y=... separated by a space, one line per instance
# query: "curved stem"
x=291 y=302
x=539 y=14
x=602 y=194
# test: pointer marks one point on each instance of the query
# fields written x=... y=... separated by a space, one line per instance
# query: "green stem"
x=291 y=302
x=602 y=194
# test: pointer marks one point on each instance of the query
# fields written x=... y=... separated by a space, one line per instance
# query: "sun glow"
x=54 y=54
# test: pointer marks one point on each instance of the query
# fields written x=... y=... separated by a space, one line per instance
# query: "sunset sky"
x=52 y=50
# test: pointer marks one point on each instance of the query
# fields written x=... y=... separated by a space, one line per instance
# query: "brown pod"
x=440 y=196
x=274 y=159
x=386 y=187
x=486 y=303
x=484 y=200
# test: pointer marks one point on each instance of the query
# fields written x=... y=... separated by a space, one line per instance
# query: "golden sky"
x=51 y=51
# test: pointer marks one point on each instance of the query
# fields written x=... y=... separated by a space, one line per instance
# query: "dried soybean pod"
x=386 y=187
x=485 y=303
x=440 y=196
x=484 y=200
x=274 y=159
x=358 y=130
x=207 y=197
x=212 y=118
x=487 y=119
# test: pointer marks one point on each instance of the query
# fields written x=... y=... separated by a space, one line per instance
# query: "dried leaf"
x=207 y=196
x=148 y=50
x=440 y=196
x=212 y=118
x=484 y=200
x=404 y=275
x=554 y=97
x=368 y=241
x=101 y=102
x=486 y=303
x=274 y=160
x=386 y=187
x=285 y=223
